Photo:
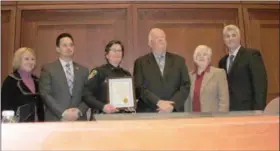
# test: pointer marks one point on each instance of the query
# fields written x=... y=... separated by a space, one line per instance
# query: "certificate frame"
x=112 y=98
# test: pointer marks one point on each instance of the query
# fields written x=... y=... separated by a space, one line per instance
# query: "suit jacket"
x=15 y=94
x=55 y=92
x=151 y=86
x=247 y=80
x=214 y=95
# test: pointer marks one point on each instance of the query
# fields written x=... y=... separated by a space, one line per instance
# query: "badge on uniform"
x=92 y=74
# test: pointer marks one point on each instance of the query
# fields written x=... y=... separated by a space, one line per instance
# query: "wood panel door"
x=7 y=39
x=91 y=28
x=262 y=30
x=186 y=26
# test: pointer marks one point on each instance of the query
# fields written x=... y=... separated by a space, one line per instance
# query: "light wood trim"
x=73 y=6
x=221 y=133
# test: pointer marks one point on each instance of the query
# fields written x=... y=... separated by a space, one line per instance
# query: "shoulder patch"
x=92 y=74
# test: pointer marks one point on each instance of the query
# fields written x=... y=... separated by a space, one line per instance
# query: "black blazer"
x=15 y=94
x=151 y=86
x=247 y=80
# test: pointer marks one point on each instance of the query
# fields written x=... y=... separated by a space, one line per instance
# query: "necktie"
x=161 y=63
x=69 y=77
x=231 y=57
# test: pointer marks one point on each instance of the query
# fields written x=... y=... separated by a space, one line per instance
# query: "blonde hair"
x=201 y=47
x=231 y=28
x=18 y=56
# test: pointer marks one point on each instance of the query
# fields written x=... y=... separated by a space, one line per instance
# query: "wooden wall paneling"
x=8 y=3
x=92 y=29
x=37 y=24
x=186 y=26
x=129 y=50
x=262 y=28
x=8 y=11
x=60 y=3
x=18 y=27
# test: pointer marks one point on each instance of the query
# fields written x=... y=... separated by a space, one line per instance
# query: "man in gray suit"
x=62 y=82
x=161 y=78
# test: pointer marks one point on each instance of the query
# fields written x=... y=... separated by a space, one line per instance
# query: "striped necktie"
x=161 y=63
x=69 y=77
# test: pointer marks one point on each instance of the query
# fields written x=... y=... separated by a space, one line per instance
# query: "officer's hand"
x=109 y=108
x=130 y=109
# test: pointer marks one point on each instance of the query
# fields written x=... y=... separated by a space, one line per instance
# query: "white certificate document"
x=121 y=93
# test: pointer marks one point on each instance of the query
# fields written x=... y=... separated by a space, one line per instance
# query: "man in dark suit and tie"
x=161 y=78
x=61 y=84
x=247 y=79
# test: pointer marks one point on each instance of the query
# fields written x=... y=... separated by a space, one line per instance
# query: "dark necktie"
x=231 y=57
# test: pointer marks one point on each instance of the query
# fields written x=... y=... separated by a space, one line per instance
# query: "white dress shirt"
x=234 y=54
x=161 y=63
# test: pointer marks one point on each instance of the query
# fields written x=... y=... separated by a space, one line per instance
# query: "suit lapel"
x=61 y=74
x=206 y=79
x=193 y=78
x=76 y=77
x=236 y=59
x=154 y=65
x=224 y=63
x=168 y=64
x=23 y=87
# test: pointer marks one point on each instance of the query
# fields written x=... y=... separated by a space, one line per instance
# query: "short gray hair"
x=231 y=28
x=151 y=32
x=201 y=47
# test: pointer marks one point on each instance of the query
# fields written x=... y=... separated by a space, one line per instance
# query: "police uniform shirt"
x=97 y=84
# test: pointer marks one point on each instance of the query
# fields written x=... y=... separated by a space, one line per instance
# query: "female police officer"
x=95 y=92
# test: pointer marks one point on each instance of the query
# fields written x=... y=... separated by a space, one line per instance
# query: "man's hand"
x=70 y=114
x=109 y=108
x=165 y=106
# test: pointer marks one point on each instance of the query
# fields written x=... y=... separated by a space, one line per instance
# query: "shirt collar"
x=113 y=67
x=206 y=70
x=63 y=62
x=16 y=75
x=158 y=55
x=235 y=52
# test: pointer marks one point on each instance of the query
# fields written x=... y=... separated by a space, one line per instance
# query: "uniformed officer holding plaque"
x=107 y=86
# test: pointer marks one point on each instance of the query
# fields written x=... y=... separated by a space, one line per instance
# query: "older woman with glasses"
x=209 y=89
x=20 y=89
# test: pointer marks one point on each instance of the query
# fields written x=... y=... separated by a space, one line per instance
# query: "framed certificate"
x=121 y=92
